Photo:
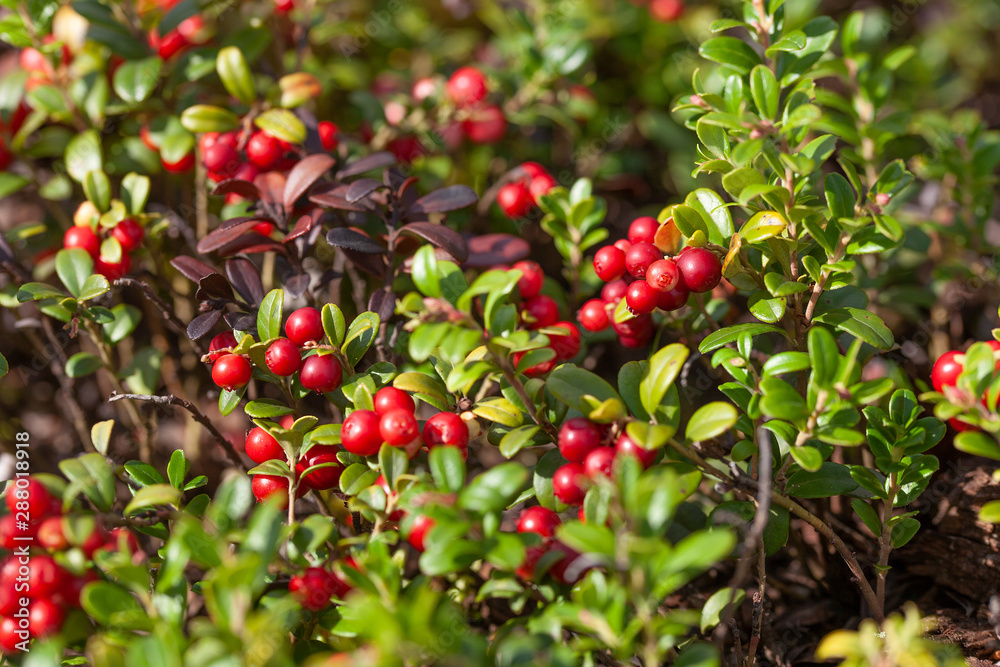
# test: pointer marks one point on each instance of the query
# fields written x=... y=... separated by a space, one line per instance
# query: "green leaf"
x=82 y=364
x=868 y=515
x=427 y=388
x=903 y=532
x=977 y=443
x=832 y=479
x=135 y=192
x=786 y=362
x=143 y=473
x=98 y=189
x=498 y=409
x=38 y=291
x=424 y=271
x=722 y=598
x=495 y=489
x=143 y=374
x=94 y=286
x=356 y=477
x=824 y=356
x=765 y=307
x=862 y=324
x=113 y=606
x=588 y=538
x=266 y=408
x=360 y=336
x=570 y=384
x=664 y=367
x=517 y=439
x=738 y=180
x=282 y=124
x=840 y=197
x=90 y=474
x=990 y=512
x=447 y=468
x=762 y=226
x=228 y=400
x=126 y=320
x=11 y=183
x=83 y=155
x=764 y=90
x=808 y=458
x=74 y=266
x=334 y=323
x=235 y=74
x=205 y=118
x=178 y=468
x=134 y=80
x=393 y=463
x=153 y=496
x=732 y=52
x=727 y=335
x=718 y=221
x=782 y=401
x=4 y=366
x=711 y=421
x=269 y=315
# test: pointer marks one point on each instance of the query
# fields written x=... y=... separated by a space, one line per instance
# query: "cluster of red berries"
x=586 y=445
x=36 y=592
x=320 y=372
x=86 y=235
x=543 y=522
x=636 y=269
x=192 y=31
x=945 y=374
x=316 y=586
x=518 y=197
x=481 y=123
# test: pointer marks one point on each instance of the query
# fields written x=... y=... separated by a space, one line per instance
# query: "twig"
x=195 y=412
x=152 y=296
x=522 y=393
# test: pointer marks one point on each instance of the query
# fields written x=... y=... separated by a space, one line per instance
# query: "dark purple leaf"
x=220 y=237
x=336 y=197
x=246 y=279
x=272 y=187
x=191 y=268
x=441 y=236
x=237 y=186
x=492 y=249
x=242 y=321
x=303 y=225
x=372 y=264
x=450 y=198
x=361 y=188
x=368 y=163
x=382 y=302
x=327 y=276
x=297 y=284
x=214 y=286
x=202 y=324
x=250 y=244
x=232 y=222
x=303 y=175
x=348 y=239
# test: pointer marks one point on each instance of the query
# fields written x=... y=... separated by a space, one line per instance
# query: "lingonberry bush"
x=331 y=406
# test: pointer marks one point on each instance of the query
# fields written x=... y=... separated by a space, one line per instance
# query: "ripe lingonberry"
x=282 y=357
x=113 y=270
x=398 y=427
x=662 y=275
x=643 y=230
x=50 y=534
x=84 y=238
x=639 y=257
x=27 y=494
x=422 y=524
x=266 y=486
x=360 y=433
x=568 y=484
x=578 y=437
x=531 y=280
x=45 y=577
x=225 y=340
x=486 y=126
x=674 y=298
x=324 y=478
x=180 y=165
x=328 y=135
x=622 y=244
x=626 y=446
x=45 y=618
x=540 y=311
x=641 y=298
x=231 y=371
x=9 y=637
x=321 y=373
x=260 y=446
x=129 y=234
x=467 y=86
x=666 y=11
x=946 y=370
x=388 y=399
x=540 y=185
x=538 y=369
x=514 y=199
x=446 y=428
x=599 y=462
x=314 y=587
x=566 y=345
x=222 y=158
x=593 y=316
x=264 y=151
x=538 y=520
x=304 y=325
x=609 y=263
x=10 y=599
x=14 y=532
x=700 y=268
x=614 y=291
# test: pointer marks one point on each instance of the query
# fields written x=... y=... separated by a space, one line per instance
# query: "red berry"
x=674 y=298
x=45 y=618
x=360 y=433
x=531 y=280
x=9 y=635
x=11 y=529
x=622 y=244
x=388 y=399
x=304 y=325
x=540 y=185
x=532 y=555
x=614 y=292
x=467 y=86
x=643 y=230
x=282 y=357
x=313 y=588
x=10 y=599
x=113 y=270
x=639 y=257
x=666 y=11
x=593 y=316
x=27 y=494
x=639 y=327
x=261 y=446
x=609 y=263
x=514 y=199
x=486 y=126
x=567 y=484
x=537 y=370
x=264 y=151
x=960 y=425
x=45 y=577
x=566 y=346
x=321 y=373
x=641 y=298
x=84 y=238
x=284 y=6
x=266 y=486
x=328 y=135
x=232 y=371
x=6 y=157
x=263 y=228
x=117 y=537
x=539 y=520
x=541 y=311
x=577 y=438
x=50 y=534
x=129 y=234
x=700 y=269
x=180 y=165
x=662 y=275
x=422 y=524
x=324 y=478
x=398 y=427
x=225 y=340
x=221 y=158
x=599 y=462
x=626 y=446
x=446 y=428
x=946 y=370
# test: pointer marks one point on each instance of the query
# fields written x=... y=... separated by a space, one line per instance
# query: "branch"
x=152 y=296
x=195 y=412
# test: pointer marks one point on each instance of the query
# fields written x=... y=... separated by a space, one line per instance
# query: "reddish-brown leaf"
x=272 y=187
x=221 y=237
x=237 y=186
x=361 y=188
x=450 y=198
x=441 y=236
x=490 y=249
x=245 y=278
x=251 y=244
x=202 y=324
x=214 y=286
x=303 y=225
x=303 y=175
x=367 y=163
x=191 y=268
x=348 y=239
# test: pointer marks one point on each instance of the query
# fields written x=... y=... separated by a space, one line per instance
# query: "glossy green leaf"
x=235 y=74
x=711 y=421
